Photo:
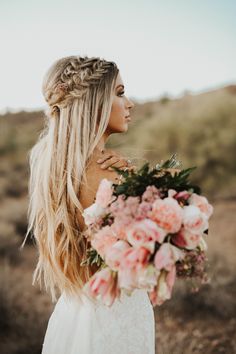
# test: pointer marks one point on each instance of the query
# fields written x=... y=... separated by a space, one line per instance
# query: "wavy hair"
x=79 y=92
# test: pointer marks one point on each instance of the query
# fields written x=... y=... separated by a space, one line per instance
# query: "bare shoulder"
x=94 y=175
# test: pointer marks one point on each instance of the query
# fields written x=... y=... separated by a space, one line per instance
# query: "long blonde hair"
x=79 y=92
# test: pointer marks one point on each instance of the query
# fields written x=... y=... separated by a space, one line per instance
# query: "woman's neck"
x=101 y=144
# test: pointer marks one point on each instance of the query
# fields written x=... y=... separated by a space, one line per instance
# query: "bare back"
x=94 y=176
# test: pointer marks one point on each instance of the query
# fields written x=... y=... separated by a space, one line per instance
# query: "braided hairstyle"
x=79 y=92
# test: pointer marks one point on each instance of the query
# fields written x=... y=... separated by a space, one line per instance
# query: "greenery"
x=135 y=182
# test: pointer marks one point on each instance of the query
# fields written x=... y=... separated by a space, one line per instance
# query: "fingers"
x=111 y=158
x=105 y=157
x=109 y=162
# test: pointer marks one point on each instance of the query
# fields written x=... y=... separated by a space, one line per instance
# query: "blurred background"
x=177 y=61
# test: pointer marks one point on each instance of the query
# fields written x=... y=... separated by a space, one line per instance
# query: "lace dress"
x=127 y=327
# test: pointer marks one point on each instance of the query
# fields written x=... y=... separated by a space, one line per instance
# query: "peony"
x=145 y=233
x=104 y=193
x=186 y=239
x=202 y=203
x=113 y=254
x=167 y=256
x=150 y=194
x=120 y=225
x=168 y=214
x=103 y=285
x=143 y=210
x=92 y=213
x=194 y=220
x=103 y=240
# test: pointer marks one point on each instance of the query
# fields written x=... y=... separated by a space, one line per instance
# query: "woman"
x=86 y=105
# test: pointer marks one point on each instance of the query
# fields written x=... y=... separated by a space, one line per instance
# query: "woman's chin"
x=126 y=127
x=121 y=129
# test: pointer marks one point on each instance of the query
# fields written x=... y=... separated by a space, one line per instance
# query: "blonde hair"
x=79 y=92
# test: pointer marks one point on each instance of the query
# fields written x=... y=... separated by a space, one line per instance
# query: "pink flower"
x=104 y=193
x=151 y=194
x=143 y=210
x=103 y=285
x=186 y=239
x=122 y=207
x=121 y=223
x=134 y=258
x=202 y=203
x=182 y=195
x=103 y=240
x=194 y=220
x=145 y=233
x=168 y=214
x=167 y=256
x=163 y=289
x=114 y=253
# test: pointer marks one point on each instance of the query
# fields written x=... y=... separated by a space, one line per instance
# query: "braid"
x=77 y=76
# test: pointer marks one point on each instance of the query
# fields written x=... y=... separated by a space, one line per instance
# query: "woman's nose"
x=130 y=103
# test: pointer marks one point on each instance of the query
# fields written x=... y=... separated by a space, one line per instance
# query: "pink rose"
x=202 y=203
x=150 y=194
x=163 y=289
x=167 y=256
x=104 y=193
x=143 y=210
x=120 y=225
x=103 y=285
x=134 y=258
x=114 y=253
x=186 y=239
x=103 y=240
x=145 y=233
x=168 y=214
x=194 y=220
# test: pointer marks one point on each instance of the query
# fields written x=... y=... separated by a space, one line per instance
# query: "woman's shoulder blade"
x=94 y=175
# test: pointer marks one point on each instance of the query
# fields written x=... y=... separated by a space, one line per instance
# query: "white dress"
x=127 y=327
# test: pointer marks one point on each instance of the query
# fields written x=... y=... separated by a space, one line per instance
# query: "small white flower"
x=93 y=212
x=202 y=244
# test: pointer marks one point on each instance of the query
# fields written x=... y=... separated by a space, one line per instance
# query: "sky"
x=161 y=47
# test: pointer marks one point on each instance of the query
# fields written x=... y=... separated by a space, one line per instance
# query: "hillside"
x=202 y=130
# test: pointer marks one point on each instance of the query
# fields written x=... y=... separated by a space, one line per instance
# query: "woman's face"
x=120 y=110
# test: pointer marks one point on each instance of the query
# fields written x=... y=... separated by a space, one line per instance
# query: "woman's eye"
x=121 y=93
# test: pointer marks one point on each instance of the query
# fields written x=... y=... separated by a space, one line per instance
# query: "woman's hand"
x=112 y=158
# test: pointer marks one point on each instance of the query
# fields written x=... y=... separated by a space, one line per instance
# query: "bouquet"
x=146 y=232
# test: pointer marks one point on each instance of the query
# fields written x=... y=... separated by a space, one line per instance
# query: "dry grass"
x=189 y=323
x=201 y=129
